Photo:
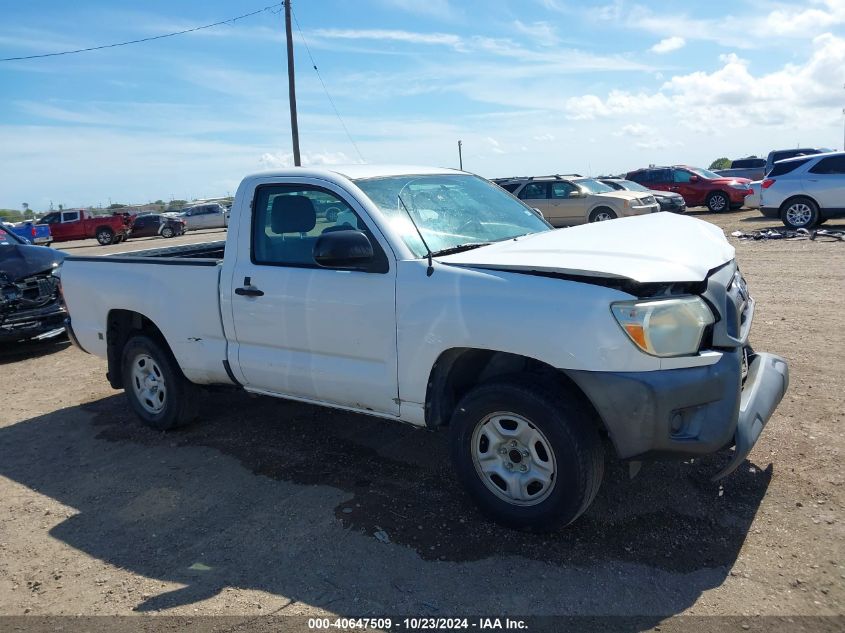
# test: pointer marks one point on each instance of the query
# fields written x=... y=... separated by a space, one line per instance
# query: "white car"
x=752 y=200
x=205 y=216
x=805 y=191
x=443 y=300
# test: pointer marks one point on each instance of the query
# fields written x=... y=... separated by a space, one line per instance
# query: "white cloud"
x=668 y=45
x=765 y=26
x=541 y=33
x=275 y=160
x=636 y=130
x=410 y=37
x=442 y=9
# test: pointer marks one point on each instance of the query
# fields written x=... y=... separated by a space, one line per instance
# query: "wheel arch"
x=457 y=370
x=121 y=325
x=798 y=196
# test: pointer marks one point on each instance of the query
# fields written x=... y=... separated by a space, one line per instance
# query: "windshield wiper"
x=460 y=248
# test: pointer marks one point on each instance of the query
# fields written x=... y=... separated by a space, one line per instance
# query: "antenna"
x=430 y=269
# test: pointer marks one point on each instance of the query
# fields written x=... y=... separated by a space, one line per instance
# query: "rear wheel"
x=800 y=213
x=602 y=214
x=529 y=456
x=158 y=392
x=718 y=201
x=104 y=235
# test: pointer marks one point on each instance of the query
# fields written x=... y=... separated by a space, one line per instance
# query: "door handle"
x=249 y=292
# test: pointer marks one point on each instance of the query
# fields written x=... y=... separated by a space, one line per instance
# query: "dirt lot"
x=270 y=507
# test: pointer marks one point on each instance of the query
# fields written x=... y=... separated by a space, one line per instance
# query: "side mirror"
x=538 y=212
x=694 y=178
x=577 y=194
x=348 y=249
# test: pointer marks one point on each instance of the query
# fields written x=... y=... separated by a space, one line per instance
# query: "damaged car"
x=30 y=303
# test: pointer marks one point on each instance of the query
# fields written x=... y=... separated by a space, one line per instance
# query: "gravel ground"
x=274 y=507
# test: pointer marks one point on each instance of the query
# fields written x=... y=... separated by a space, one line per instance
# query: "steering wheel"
x=472 y=222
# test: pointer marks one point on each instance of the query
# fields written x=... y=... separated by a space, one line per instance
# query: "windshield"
x=593 y=186
x=704 y=173
x=449 y=210
x=630 y=185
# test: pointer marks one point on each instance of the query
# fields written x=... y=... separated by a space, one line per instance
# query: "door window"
x=70 y=216
x=562 y=189
x=50 y=218
x=830 y=165
x=534 y=191
x=680 y=175
x=285 y=225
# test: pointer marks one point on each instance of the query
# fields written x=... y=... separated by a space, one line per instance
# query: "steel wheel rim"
x=718 y=202
x=799 y=214
x=148 y=384
x=604 y=216
x=167 y=232
x=514 y=459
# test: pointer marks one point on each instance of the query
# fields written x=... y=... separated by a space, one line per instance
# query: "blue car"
x=38 y=234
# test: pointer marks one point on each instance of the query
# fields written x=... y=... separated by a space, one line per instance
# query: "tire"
x=602 y=214
x=167 y=232
x=331 y=214
x=558 y=457
x=799 y=213
x=718 y=201
x=104 y=235
x=157 y=390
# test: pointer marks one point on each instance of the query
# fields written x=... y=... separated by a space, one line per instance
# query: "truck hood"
x=18 y=261
x=659 y=247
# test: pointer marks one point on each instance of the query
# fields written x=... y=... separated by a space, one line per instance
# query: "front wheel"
x=800 y=213
x=529 y=456
x=157 y=391
x=602 y=214
x=718 y=201
x=167 y=232
x=105 y=236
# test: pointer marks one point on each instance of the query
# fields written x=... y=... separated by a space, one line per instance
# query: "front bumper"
x=691 y=411
x=37 y=323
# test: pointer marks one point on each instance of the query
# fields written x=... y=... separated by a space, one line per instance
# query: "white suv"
x=569 y=200
x=805 y=191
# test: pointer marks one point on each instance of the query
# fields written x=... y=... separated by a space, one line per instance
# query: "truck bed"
x=206 y=254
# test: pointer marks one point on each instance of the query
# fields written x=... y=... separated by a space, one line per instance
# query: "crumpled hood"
x=18 y=261
x=659 y=247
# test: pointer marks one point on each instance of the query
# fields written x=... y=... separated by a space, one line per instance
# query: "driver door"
x=305 y=331
x=570 y=210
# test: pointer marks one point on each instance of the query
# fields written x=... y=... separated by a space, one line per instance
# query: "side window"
x=641 y=176
x=562 y=189
x=286 y=225
x=50 y=218
x=681 y=175
x=830 y=165
x=534 y=191
x=70 y=216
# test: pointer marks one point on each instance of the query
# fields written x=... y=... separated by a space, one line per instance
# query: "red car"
x=699 y=187
x=77 y=224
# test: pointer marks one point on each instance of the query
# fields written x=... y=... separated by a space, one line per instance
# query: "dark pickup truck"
x=30 y=304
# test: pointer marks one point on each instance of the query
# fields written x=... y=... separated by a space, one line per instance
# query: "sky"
x=530 y=87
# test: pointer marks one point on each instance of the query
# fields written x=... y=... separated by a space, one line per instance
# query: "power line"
x=322 y=83
x=146 y=39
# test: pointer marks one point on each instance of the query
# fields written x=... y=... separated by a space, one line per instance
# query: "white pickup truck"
x=436 y=298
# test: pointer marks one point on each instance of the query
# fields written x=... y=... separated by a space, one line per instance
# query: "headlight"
x=664 y=327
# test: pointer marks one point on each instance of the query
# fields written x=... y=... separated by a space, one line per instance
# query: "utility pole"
x=460 y=156
x=294 y=126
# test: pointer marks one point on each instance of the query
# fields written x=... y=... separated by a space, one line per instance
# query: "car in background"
x=153 y=224
x=782 y=154
x=33 y=233
x=667 y=200
x=805 y=191
x=699 y=187
x=79 y=224
x=571 y=200
x=30 y=303
x=751 y=168
x=752 y=200
x=205 y=216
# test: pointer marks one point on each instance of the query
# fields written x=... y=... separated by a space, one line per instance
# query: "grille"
x=38 y=290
